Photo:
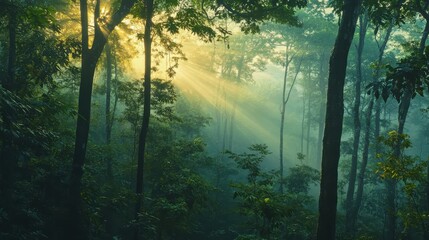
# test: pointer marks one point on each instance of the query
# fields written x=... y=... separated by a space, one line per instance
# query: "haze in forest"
x=232 y=120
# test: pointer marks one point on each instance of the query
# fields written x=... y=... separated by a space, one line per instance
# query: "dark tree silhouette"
x=334 y=120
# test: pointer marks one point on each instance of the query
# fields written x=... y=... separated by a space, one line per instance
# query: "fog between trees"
x=241 y=132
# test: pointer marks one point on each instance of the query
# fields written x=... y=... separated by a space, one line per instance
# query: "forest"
x=214 y=119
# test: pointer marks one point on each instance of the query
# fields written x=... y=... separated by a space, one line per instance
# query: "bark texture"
x=334 y=121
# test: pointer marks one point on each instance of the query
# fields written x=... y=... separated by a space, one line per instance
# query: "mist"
x=172 y=120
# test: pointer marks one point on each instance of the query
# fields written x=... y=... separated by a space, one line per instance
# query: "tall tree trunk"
x=303 y=123
x=350 y=218
x=108 y=212
x=391 y=183
x=75 y=223
x=307 y=147
x=367 y=135
x=427 y=197
x=282 y=115
x=76 y=226
x=422 y=47
x=146 y=111
x=334 y=121
x=108 y=114
x=403 y=109
x=365 y=155
x=377 y=115
x=322 y=109
x=285 y=100
x=231 y=125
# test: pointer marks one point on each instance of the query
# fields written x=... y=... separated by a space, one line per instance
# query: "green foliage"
x=408 y=170
x=272 y=215
x=403 y=167
x=259 y=201
x=37 y=168
x=37 y=35
x=178 y=192
x=410 y=73
x=163 y=97
x=384 y=12
x=251 y=162
x=175 y=16
x=251 y=13
x=190 y=119
x=180 y=201
x=300 y=177
x=192 y=19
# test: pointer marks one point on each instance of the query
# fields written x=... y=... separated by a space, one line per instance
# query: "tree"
x=259 y=201
x=367 y=125
x=29 y=108
x=286 y=38
x=271 y=214
x=323 y=28
x=285 y=99
x=404 y=82
x=146 y=109
x=103 y=26
x=350 y=210
x=406 y=169
x=334 y=120
x=259 y=12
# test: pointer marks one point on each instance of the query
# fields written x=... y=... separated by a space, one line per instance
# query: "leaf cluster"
x=163 y=97
x=300 y=177
x=399 y=167
x=269 y=211
x=177 y=191
x=411 y=73
x=251 y=161
x=250 y=14
x=173 y=16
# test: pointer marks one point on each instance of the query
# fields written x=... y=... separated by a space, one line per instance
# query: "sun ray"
x=256 y=120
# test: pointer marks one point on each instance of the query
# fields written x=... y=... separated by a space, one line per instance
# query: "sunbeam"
x=254 y=119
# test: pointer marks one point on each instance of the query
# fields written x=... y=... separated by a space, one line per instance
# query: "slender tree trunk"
x=367 y=135
x=303 y=124
x=334 y=121
x=115 y=88
x=282 y=116
x=285 y=99
x=365 y=154
x=424 y=37
x=350 y=218
x=225 y=131
x=108 y=212
x=75 y=223
x=391 y=183
x=307 y=147
x=422 y=49
x=146 y=112
x=77 y=227
x=403 y=109
x=231 y=126
x=427 y=197
x=108 y=114
x=218 y=116
x=322 y=109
